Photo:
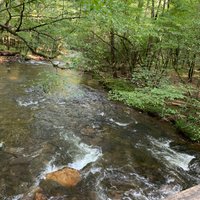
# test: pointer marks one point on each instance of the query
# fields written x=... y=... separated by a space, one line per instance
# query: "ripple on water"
x=30 y=101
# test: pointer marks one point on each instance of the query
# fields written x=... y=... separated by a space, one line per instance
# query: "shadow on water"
x=122 y=154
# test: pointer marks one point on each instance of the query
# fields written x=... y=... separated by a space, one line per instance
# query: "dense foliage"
x=34 y=25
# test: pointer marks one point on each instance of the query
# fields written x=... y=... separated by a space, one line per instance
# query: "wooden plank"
x=192 y=193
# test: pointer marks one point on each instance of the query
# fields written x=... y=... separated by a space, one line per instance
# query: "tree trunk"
x=164 y=5
x=112 y=51
x=153 y=9
x=191 y=68
x=158 y=9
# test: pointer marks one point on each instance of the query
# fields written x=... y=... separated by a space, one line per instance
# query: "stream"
x=121 y=153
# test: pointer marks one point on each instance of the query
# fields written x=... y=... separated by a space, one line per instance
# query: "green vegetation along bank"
x=176 y=103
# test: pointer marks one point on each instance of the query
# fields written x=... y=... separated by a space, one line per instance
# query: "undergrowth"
x=171 y=102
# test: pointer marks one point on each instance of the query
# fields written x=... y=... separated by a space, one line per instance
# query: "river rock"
x=67 y=177
x=40 y=196
x=88 y=131
x=2 y=146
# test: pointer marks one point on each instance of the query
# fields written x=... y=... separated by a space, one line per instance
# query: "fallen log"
x=176 y=103
x=192 y=193
x=8 y=53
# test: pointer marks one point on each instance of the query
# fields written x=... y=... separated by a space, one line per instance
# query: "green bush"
x=162 y=101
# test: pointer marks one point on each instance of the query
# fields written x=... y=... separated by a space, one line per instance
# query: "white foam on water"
x=17 y=197
x=102 y=114
x=58 y=127
x=162 y=149
x=136 y=194
x=85 y=154
x=90 y=155
x=95 y=170
x=100 y=190
x=28 y=103
x=119 y=123
x=34 y=62
x=49 y=167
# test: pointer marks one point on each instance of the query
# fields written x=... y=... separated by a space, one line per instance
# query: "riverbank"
x=177 y=103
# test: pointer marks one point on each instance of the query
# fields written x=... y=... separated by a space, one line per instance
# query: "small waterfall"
x=85 y=154
x=161 y=149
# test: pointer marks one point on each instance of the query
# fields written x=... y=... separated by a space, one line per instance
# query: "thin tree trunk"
x=168 y=4
x=152 y=9
x=191 y=68
x=146 y=11
x=112 y=46
x=158 y=9
x=164 y=5
x=112 y=51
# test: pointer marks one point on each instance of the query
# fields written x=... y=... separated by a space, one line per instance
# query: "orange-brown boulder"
x=67 y=177
x=40 y=196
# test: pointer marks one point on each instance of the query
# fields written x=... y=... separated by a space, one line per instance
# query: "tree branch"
x=8 y=29
x=19 y=5
x=102 y=40
x=125 y=38
x=45 y=34
x=21 y=17
x=49 y=23
x=9 y=14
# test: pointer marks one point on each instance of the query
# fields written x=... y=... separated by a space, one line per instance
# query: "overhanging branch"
x=21 y=17
x=49 y=23
x=8 y=29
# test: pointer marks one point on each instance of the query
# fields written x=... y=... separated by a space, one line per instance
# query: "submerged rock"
x=88 y=131
x=67 y=177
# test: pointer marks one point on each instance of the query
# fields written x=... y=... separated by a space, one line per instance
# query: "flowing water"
x=121 y=153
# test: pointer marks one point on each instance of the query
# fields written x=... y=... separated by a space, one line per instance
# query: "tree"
x=133 y=35
x=35 y=24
